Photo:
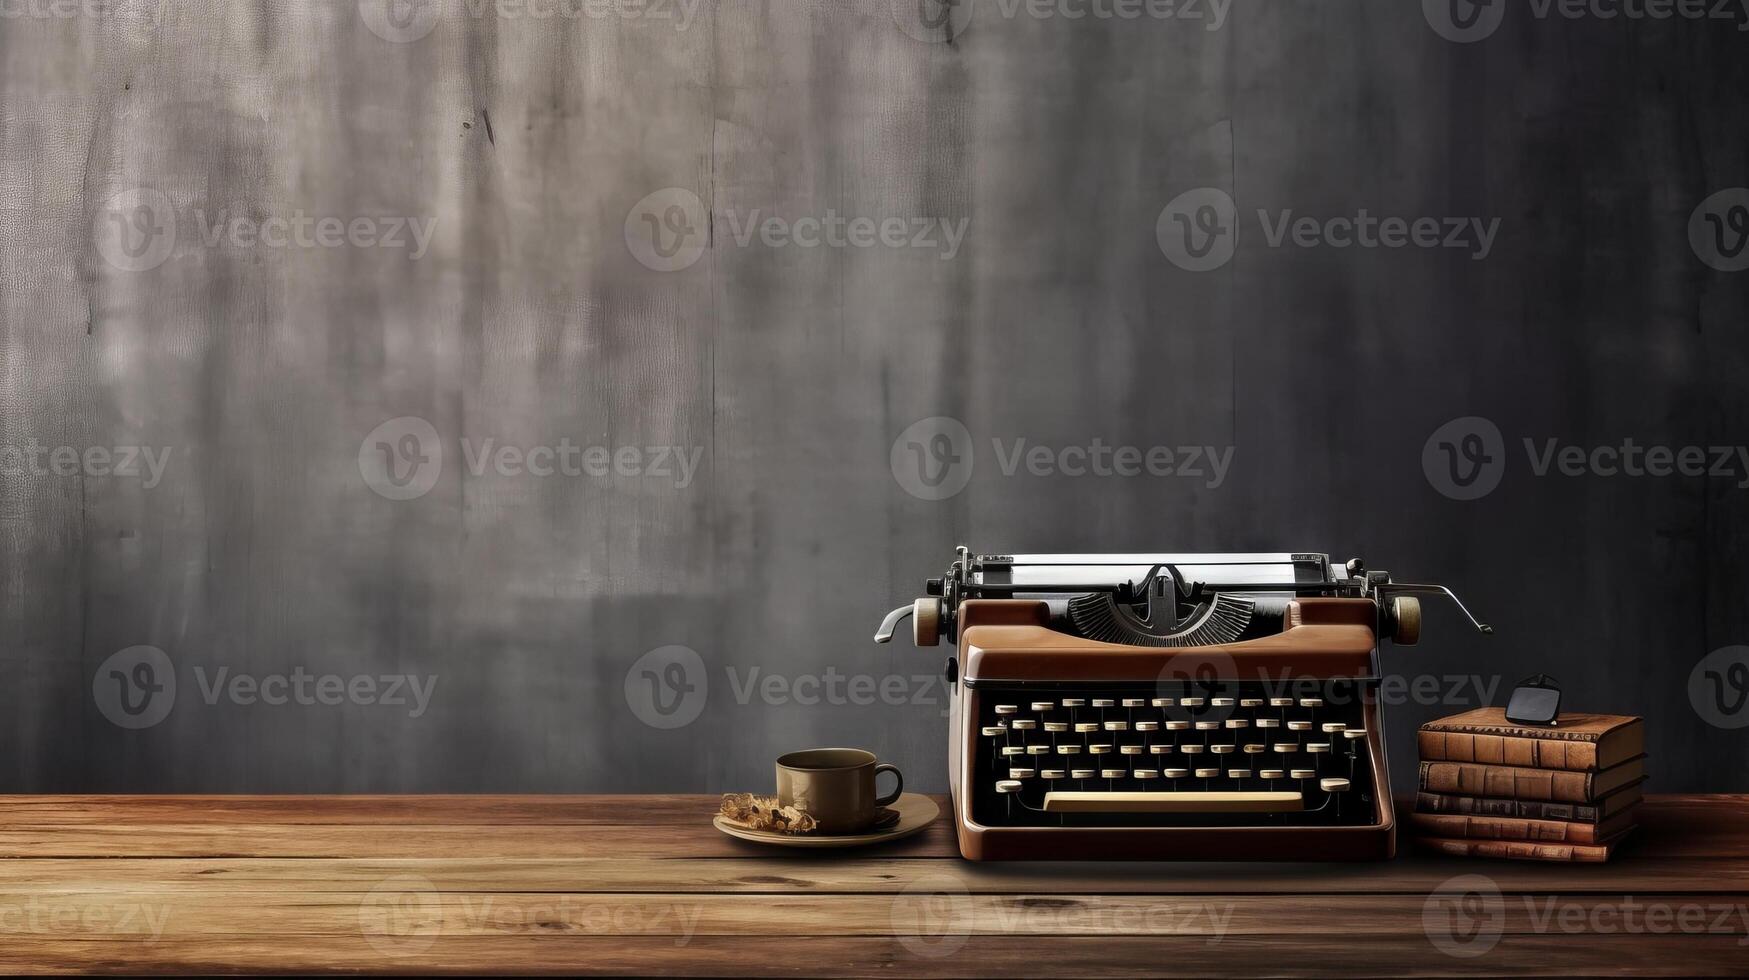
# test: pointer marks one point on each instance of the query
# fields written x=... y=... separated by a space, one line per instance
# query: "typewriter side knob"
x=1405 y=620
x=926 y=622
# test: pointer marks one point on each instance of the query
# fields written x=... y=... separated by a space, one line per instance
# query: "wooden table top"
x=644 y=884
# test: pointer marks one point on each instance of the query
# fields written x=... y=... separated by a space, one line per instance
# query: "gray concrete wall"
x=273 y=545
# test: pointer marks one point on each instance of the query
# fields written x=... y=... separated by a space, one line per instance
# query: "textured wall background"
x=527 y=607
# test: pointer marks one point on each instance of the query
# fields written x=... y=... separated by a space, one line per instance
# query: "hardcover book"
x=1603 y=809
x=1519 y=783
x=1577 y=741
x=1523 y=850
x=1460 y=826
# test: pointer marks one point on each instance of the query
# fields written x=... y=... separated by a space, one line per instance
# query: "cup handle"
x=898 y=787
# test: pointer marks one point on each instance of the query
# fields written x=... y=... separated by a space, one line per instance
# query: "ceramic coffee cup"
x=836 y=787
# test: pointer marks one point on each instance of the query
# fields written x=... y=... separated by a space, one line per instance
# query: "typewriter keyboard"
x=1173 y=755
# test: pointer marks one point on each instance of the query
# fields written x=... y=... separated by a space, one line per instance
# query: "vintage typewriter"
x=1214 y=706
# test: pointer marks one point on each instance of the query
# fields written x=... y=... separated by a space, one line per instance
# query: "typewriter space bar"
x=1173 y=802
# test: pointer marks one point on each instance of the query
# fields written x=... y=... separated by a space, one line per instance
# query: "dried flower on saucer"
x=765 y=813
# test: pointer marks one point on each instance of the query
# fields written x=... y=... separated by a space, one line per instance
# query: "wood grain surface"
x=643 y=884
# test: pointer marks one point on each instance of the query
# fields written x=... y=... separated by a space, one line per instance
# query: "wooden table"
x=570 y=884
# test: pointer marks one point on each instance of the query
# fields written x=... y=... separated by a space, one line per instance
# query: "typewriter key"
x=1098 y=749
x=1017 y=773
x=1301 y=773
x=1023 y=724
x=1354 y=733
x=1038 y=750
x=1237 y=722
x=1087 y=726
x=1177 y=726
x=1117 y=726
x=1238 y=773
x=1113 y=773
x=1147 y=726
x=1333 y=784
x=1191 y=702
x=1146 y=773
x=1191 y=749
x=994 y=731
x=1056 y=726
x=1268 y=722
x=1083 y=773
x=1013 y=750
x=1207 y=726
x=1074 y=702
x=1129 y=750
x=1133 y=702
x=1068 y=749
x=1221 y=702
x=1160 y=749
x=1207 y=773
x=1299 y=726
x=1281 y=702
x=1333 y=726
x=1255 y=748
x=1271 y=773
x=1287 y=748
x=1311 y=702
x=1043 y=706
x=1050 y=774
x=1318 y=748
x=1007 y=786
x=1102 y=702
x=1176 y=773
x=1161 y=702
x=1222 y=749
x=1250 y=702
x=1007 y=709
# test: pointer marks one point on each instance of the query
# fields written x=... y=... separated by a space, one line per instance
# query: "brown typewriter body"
x=1182 y=707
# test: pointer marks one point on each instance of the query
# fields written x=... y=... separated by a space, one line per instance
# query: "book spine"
x=1518 y=849
x=1504 y=828
x=1507 y=750
x=1506 y=782
x=1524 y=809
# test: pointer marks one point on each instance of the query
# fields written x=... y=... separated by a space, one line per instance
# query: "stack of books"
x=1493 y=788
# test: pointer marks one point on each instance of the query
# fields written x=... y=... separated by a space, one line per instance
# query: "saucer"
x=915 y=812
